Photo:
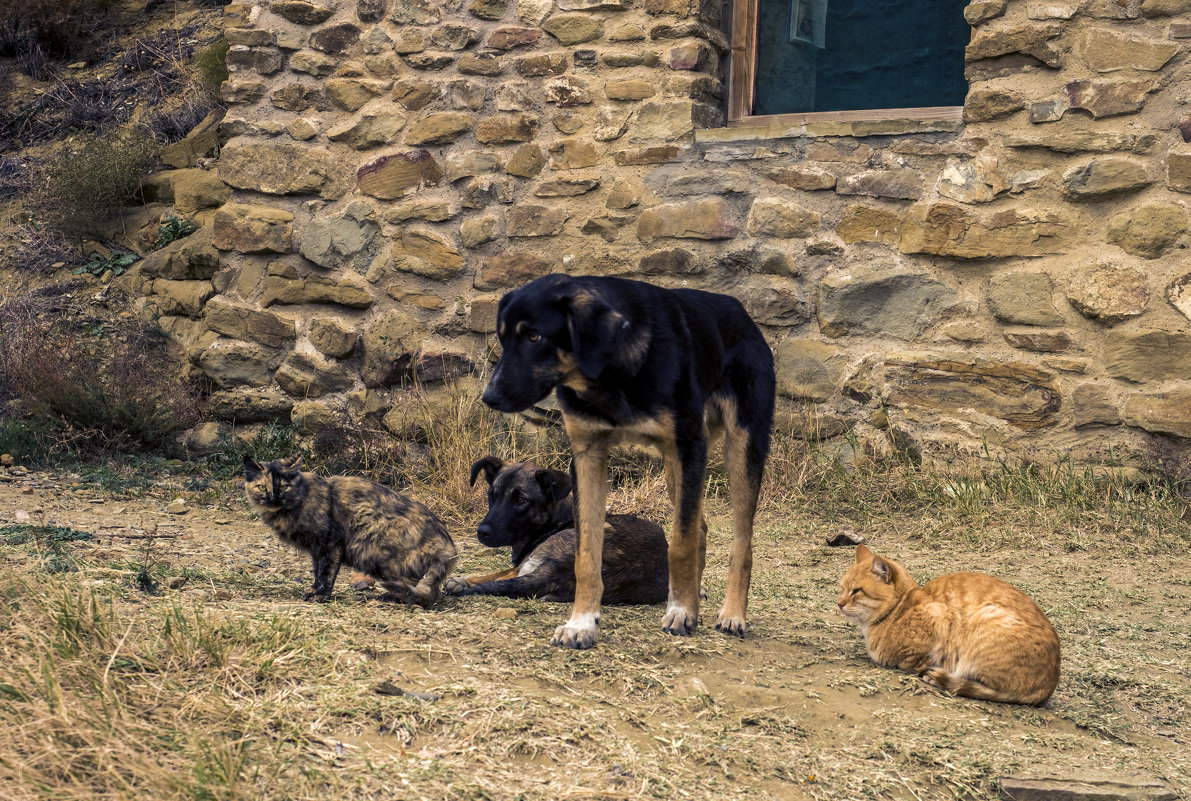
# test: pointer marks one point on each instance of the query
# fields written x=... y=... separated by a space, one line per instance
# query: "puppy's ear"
x=555 y=483
x=491 y=465
x=598 y=332
x=252 y=470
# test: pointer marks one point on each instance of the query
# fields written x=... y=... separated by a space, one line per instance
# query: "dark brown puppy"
x=372 y=528
x=675 y=367
x=529 y=510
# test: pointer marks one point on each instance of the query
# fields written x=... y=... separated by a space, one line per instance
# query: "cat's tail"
x=971 y=688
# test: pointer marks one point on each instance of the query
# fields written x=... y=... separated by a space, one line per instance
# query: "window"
x=848 y=59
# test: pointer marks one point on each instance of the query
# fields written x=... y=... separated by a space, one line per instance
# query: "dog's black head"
x=525 y=503
x=554 y=330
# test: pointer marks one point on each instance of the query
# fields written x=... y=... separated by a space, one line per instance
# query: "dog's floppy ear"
x=598 y=332
x=252 y=470
x=490 y=465
x=555 y=483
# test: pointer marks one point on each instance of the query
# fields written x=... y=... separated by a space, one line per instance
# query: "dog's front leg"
x=590 y=455
x=686 y=467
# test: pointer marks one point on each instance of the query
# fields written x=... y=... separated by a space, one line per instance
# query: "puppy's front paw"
x=730 y=624
x=680 y=621
x=579 y=632
x=316 y=597
x=455 y=585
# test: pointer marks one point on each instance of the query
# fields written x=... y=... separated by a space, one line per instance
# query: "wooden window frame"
x=742 y=85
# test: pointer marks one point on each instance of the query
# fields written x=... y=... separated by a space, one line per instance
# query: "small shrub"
x=29 y=441
x=82 y=190
x=104 y=384
x=211 y=64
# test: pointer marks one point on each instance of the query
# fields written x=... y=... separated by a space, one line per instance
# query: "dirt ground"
x=469 y=701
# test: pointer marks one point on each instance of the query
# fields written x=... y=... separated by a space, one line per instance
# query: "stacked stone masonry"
x=1016 y=282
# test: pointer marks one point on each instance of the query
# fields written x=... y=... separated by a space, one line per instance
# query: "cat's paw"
x=455 y=585
x=680 y=621
x=579 y=632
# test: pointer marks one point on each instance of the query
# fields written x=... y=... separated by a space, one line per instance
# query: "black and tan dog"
x=530 y=509
x=671 y=366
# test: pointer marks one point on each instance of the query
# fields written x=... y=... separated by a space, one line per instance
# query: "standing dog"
x=530 y=509
x=630 y=360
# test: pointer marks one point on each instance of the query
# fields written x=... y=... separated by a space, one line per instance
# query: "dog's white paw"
x=579 y=632
x=731 y=624
x=680 y=621
x=455 y=585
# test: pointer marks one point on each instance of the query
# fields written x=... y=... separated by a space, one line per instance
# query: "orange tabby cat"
x=968 y=633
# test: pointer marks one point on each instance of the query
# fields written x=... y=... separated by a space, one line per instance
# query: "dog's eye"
x=521 y=500
x=533 y=336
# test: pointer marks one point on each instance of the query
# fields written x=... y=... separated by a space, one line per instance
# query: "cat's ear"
x=491 y=465
x=881 y=569
x=295 y=461
x=555 y=483
x=863 y=553
x=252 y=470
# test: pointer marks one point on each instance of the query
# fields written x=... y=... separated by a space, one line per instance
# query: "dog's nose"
x=483 y=531
x=493 y=396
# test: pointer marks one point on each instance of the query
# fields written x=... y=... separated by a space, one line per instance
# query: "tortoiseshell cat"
x=372 y=528
x=968 y=633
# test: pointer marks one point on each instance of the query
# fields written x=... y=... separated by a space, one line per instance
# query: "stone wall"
x=1015 y=282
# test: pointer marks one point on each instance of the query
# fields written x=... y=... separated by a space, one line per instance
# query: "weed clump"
x=103 y=383
x=211 y=65
x=82 y=190
x=171 y=229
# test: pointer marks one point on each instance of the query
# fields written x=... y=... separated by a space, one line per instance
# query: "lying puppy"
x=529 y=509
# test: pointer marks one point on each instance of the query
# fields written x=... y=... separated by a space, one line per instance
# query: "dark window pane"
x=860 y=55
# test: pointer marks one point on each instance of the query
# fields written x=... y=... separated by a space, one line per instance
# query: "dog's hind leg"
x=686 y=468
x=744 y=456
x=589 y=451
